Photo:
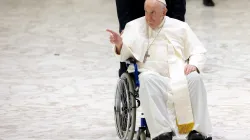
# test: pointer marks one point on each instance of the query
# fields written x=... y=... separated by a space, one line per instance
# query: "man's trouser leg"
x=153 y=95
x=198 y=96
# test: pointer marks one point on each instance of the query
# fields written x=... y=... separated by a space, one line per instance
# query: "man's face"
x=154 y=14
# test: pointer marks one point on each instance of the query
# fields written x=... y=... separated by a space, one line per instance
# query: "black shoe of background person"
x=208 y=3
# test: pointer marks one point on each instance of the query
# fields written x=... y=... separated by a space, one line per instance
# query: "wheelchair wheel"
x=125 y=108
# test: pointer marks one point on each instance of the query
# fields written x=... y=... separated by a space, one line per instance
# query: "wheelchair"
x=126 y=104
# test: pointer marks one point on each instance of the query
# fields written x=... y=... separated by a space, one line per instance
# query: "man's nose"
x=149 y=16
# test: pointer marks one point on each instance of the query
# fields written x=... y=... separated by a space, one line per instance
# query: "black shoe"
x=208 y=3
x=164 y=136
x=194 y=135
x=208 y=138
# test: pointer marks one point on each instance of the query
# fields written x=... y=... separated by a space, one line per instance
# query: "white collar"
x=152 y=31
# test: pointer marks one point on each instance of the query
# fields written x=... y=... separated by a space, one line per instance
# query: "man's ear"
x=166 y=10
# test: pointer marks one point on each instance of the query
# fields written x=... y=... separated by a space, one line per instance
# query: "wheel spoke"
x=124 y=110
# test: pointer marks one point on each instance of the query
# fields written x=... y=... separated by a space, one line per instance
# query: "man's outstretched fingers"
x=110 y=31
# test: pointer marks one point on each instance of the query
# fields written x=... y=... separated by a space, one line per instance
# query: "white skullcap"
x=162 y=1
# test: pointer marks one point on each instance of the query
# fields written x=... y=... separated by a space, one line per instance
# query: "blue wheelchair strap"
x=137 y=83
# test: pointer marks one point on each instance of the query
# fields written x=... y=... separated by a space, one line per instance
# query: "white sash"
x=179 y=85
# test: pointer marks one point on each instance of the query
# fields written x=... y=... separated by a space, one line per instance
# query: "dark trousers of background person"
x=128 y=10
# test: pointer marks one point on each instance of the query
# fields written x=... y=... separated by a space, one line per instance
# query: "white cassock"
x=159 y=98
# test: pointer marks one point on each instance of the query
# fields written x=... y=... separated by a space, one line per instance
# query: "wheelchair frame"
x=126 y=103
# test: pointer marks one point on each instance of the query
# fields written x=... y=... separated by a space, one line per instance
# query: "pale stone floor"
x=70 y=96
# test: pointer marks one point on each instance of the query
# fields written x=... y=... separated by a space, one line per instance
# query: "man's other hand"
x=189 y=68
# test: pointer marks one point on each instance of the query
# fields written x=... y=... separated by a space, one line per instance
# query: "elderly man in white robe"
x=172 y=93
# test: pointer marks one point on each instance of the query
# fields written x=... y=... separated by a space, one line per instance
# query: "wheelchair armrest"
x=124 y=65
x=131 y=60
x=136 y=72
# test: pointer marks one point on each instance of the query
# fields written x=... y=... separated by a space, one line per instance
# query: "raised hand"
x=115 y=38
